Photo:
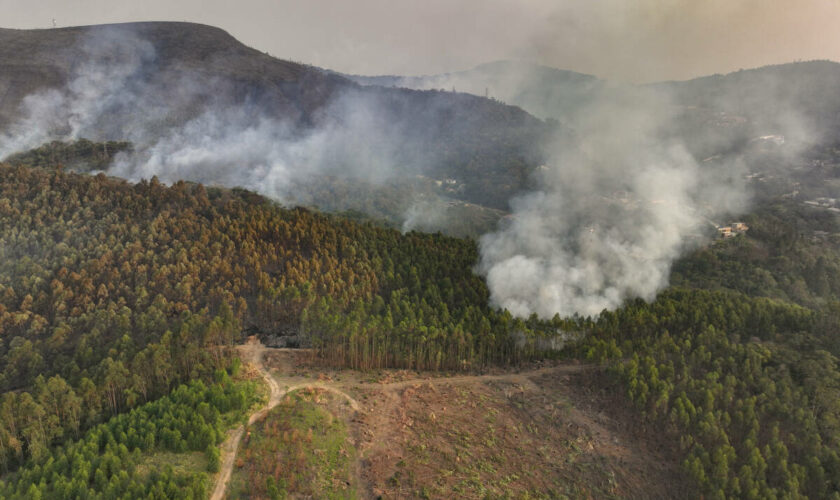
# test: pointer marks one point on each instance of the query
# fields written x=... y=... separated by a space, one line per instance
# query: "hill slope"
x=799 y=100
x=198 y=105
x=32 y=60
x=541 y=90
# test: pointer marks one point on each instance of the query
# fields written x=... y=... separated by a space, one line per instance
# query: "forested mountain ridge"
x=768 y=95
x=755 y=93
x=541 y=90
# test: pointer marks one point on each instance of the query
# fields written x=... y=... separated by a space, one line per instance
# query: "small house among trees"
x=732 y=229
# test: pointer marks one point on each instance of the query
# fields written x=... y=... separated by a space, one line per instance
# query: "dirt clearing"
x=545 y=432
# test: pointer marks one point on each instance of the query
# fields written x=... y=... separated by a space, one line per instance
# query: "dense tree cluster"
x=104 y=462
x=743 y=375
x=746 y=386
x=112 y=294
x=791 y=252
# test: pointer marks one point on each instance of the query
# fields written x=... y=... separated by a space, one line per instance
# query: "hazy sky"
x=636 y=40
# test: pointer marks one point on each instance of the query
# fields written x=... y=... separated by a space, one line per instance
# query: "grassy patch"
x=299 y=449
x=181 y=463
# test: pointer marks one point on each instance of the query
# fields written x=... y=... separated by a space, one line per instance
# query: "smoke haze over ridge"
x=272 y=132
x=658 y=166
x=218 y=141
x=605 y=222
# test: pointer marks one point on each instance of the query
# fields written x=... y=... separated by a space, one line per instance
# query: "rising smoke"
x=184 y=125
x=101 y=86
x=609 y=218
x=650 y=175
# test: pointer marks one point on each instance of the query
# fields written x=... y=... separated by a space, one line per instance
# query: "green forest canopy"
x=112 y=294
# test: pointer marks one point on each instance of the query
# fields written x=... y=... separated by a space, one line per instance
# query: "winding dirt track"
x=253 y=353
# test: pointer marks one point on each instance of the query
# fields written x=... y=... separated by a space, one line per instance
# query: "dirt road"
x=253 y=353
x=281 y=385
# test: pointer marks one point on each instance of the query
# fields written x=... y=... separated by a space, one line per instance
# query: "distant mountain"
x=33 y=60
x=542 y=91
x=800 y=100
x=770 y=97
x=197 y=104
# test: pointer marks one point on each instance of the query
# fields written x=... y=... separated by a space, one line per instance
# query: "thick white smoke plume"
x=649 y=175
x=608 y=220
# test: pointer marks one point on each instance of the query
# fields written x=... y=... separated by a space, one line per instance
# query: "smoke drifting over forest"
x=239 y=146
x=609 y=214
x=184 y=126
x=101 y=85
x=654 y=167
x=608 y=219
